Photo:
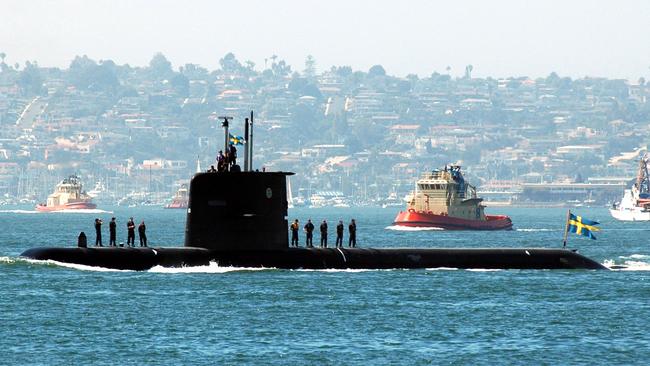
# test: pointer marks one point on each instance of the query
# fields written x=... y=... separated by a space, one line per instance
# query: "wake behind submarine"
x=238 y=218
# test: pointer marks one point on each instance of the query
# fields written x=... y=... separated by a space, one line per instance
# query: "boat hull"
x=320 y=258
x=177 y=205
x=634 y=214
x=67 y=206
x=424 y=219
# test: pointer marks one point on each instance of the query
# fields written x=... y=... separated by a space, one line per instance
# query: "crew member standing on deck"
x=352 y=228
x=98 y=232
x=221 y=162
x=130 y=230
x=232 y=154
x=309 y=229
x=142 y=235
x=323 y=234
x=295 y=227
x=339 y=234
x=112 y=229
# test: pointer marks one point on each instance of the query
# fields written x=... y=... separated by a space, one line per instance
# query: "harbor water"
x=58 y=314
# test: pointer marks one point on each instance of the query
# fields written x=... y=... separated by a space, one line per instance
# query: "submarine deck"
x=143 y=258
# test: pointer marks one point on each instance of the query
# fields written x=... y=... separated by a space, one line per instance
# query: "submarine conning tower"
x=238 y=211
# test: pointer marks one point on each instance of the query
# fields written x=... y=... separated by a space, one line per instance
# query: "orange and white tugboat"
x=442 y=199
x=68 y=195
x=180 y=199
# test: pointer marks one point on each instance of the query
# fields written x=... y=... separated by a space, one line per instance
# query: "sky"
x=532 y=38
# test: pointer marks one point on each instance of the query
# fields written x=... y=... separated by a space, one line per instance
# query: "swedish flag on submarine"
x=581 y=226
x=236 y=140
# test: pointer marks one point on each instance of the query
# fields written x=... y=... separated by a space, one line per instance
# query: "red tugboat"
x=68 y=195
x=180 y=199
x=443 y=199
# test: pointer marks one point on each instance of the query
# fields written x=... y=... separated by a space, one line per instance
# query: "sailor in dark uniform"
x=142 y=234
x=352 y=228
x=295 y=227
x=98 y=232
x=323 y=234
x=112 y=229
x=221 y=162
x=309 y=229
x=130 y=230
x=339 y=234
x=232 y=155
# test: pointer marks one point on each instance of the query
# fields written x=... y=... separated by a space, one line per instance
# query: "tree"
x=552 y=79
x=229 y=64
x=30 y=80
x=104 y=77
x=468 y=71
x=3 y=65
x=310 y=67
x=280 y=69
x=181 y=84
x=84 y=73
x=194 y=71
x=304 y=118
x=160 y=67
x=376 y=70
x=302 y=86
x=343 y=71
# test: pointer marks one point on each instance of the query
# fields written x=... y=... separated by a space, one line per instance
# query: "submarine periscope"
x=238 y=218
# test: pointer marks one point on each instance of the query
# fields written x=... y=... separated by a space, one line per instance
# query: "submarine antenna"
x=224 y=124
x=566 y=227
x=246 y=144
x=250 y=154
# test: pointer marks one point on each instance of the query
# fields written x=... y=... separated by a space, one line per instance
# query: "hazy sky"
x=499 y=38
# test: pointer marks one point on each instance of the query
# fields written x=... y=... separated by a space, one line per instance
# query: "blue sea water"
x=66 y=314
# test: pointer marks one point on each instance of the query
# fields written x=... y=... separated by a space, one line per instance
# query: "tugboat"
x=180 y=199
x=635 y=205
x=68 y=195
x=442 y=199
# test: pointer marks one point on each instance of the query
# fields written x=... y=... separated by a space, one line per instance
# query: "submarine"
x=238 y=218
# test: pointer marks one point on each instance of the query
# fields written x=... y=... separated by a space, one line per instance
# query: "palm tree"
x=468 y=71
x=2 y=56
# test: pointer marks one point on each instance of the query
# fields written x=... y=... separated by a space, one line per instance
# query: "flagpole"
x=566 y=227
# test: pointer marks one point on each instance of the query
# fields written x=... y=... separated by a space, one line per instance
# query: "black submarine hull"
x=319 y=258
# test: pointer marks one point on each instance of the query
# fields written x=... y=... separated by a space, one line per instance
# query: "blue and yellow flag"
x=582 y=226
x=236 y=140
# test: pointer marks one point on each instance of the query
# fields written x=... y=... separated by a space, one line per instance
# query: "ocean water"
x=58 y=314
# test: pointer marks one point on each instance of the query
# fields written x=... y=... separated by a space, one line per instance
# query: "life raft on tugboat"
x=443 y=199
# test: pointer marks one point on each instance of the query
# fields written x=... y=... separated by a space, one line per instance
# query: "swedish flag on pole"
x=236 y=140
x=579 y=225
